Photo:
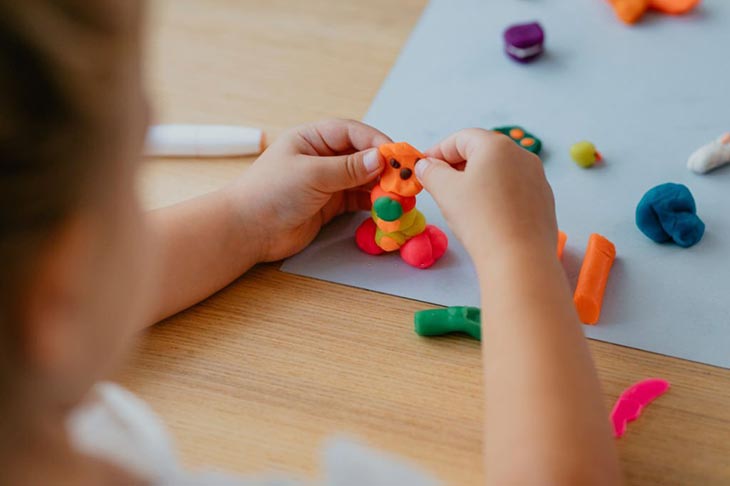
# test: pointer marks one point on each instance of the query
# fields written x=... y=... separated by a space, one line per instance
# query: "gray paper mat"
x=647 y=96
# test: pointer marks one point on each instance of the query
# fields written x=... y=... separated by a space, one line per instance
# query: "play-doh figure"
x=396 y=224
x=630 y=11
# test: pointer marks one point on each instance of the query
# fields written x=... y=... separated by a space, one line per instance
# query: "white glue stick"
x=203 y=141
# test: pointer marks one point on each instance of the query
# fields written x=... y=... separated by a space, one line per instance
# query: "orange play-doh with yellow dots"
x=395 y=223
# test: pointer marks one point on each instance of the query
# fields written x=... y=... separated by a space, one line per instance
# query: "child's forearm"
x=545 y=419
x=202 y=245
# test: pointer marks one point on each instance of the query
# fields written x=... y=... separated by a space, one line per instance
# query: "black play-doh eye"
x=394 y=164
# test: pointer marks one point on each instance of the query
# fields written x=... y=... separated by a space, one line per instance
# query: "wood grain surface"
x=255 y=378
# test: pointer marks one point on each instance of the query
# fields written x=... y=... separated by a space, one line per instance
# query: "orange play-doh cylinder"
x=562 y=239
x=593 y=277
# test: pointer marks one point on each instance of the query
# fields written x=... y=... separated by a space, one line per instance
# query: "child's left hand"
x=311 y=174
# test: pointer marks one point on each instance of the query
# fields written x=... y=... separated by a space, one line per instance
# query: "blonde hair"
x=61 y=62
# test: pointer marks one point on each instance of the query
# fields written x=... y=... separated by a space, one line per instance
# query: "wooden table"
x=257 y=376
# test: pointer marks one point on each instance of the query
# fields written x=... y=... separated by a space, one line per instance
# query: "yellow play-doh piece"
x=516 y=133
x=584 y=154
x=413 y=224
x=417 y=225
x=389 y=241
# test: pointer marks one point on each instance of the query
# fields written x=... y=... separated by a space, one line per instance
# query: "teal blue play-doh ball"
x=667 y=213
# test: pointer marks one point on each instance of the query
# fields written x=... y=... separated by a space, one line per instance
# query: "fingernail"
x=371 y=160
x=421 y=167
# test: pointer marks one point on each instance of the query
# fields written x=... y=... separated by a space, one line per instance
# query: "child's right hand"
x=493 y=194
x=496 y=199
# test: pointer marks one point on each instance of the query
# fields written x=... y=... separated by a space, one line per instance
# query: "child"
x=84 y=267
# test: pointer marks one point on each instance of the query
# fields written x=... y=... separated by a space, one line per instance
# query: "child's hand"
x=493 y=193
x=307 y=177
x=501 y=208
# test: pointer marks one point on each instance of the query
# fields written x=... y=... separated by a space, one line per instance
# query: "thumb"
x=343 y=172
x=435 y=176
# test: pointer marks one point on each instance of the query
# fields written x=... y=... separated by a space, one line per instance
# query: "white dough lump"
x=711 y=156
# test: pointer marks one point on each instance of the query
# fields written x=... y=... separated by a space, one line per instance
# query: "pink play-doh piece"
x=631 y=402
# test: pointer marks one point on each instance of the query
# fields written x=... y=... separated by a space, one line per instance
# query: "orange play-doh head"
x=399 y=174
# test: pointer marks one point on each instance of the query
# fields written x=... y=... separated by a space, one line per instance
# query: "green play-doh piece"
x=522 y=137
x=387 y=209
x=437 y=322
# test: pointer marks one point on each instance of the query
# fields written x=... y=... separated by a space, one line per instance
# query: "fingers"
x=466 y=144
x=342 y=172
x=346 y=202
x=436 y=176
x=336 y=137
x=357 y=200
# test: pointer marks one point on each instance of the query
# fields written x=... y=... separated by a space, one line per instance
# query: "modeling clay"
x=593 y=277
x=711 y=156
x=438 y=322
x=629 y=405
x=630 y=11
x=522 y=138
x=562 y=239
x=395 y=223
x=674 y=7
x=524 y=42
x=585 y=154
x=668 y=213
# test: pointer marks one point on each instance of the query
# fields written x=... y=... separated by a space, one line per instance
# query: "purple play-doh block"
x=524 y=42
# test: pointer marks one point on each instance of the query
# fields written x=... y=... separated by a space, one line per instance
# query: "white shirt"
x=118 y=427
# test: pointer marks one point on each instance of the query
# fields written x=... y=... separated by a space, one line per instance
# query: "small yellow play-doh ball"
x=584 y=154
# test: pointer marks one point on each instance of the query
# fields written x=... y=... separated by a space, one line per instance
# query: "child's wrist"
x=247 y=235
x=513 y=257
